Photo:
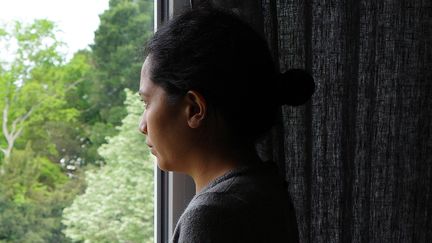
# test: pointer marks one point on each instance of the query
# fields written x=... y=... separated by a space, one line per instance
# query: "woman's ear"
x=196 y=108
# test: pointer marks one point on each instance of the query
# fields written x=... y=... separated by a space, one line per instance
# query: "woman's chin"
x=162 y=165
x=163 y=168
x=168 y=166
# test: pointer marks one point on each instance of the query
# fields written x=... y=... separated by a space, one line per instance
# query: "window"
x=173 y=191
x=73 y=166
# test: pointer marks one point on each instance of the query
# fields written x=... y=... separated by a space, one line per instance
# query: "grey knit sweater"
x=249 y=204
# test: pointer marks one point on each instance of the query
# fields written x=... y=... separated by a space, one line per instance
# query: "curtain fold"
x=358 y=156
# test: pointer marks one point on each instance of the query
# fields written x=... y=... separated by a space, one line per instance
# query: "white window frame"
x=172 y=191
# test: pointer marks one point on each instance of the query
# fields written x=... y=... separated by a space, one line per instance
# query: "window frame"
x=172 y=191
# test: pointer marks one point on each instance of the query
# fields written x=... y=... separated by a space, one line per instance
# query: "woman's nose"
x=143 y=126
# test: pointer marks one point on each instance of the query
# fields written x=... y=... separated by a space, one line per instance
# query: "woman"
x=210 y=90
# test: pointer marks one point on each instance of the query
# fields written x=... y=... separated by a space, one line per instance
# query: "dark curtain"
x=358 y=156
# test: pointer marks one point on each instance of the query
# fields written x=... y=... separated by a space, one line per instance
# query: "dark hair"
x=220 y=56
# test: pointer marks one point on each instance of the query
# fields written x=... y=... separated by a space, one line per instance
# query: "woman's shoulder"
x=210 y=221
x=246 y=185
x=230 y=219
x=248 y=203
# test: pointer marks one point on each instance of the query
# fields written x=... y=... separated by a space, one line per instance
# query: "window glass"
x=73 y=165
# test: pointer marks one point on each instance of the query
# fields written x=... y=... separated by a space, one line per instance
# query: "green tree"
x=34 y=189
x=117 y=54
x=80 y=141
x=118 y=202
x=33 y=193
x=112 y=65
x=32 y=89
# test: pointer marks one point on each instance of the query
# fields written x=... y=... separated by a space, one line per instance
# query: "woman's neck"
x=207 y=166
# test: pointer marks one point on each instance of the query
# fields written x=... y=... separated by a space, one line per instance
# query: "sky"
x=77 y=19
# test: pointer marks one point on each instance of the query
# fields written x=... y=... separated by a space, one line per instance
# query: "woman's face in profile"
x=163 y=123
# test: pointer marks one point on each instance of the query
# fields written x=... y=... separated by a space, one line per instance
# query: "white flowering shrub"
x=117 y=205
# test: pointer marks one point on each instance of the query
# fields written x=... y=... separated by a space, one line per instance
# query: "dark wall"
x=358 y=157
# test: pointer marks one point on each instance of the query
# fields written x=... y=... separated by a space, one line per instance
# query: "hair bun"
x=295 y=87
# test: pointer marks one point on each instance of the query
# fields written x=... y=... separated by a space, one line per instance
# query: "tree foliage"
x=33 y=192
x=55 y=117
x=118 y=202
x=117 y=55
x=32 y=87
x=112 y=64
x=34 y=188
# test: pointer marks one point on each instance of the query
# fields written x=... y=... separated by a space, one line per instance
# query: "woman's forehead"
x=146 y=85
x=145 y=67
